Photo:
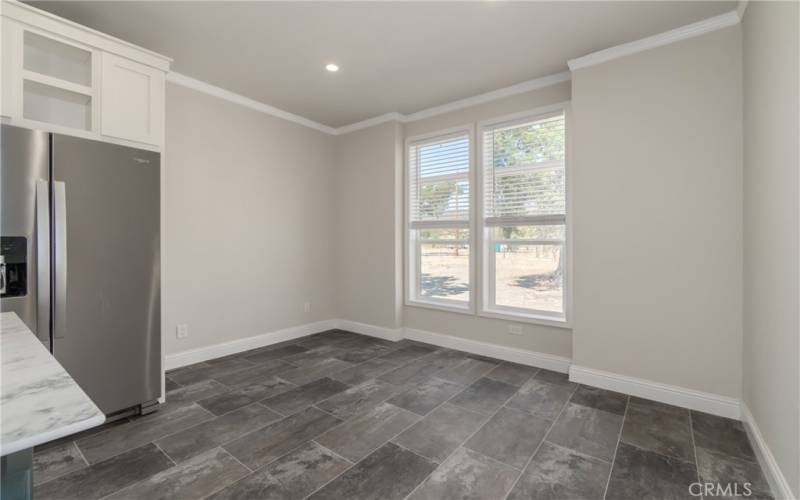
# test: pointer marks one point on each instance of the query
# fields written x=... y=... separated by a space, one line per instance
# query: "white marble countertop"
x=39 y=401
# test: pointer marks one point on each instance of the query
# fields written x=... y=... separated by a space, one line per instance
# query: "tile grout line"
x=99 y=434
x=400 y=387
x=362 y=458
x=616 y=448
x=544 y=438
x=263 y=404
x=213 y=417
x=480 y=426
x=264 y=466
x=152 y=441
x=313 y=405
x=499 y=462
x=247 y=383
x=330 y=450
x=222 y=445
x=175 y=465
x=379 y=446
x=576 y=452
x=80 y=452
x=658 y=454
x=394 y=436
x=165 y=453
x=390 y=440
x=694 y=449
x=75 y=444
x=420 y=455
x=217 y=490
x=166 y=377
x=341 y=420
x=250 y=471
x=131 y=485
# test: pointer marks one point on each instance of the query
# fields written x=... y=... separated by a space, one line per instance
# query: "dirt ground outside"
x=524 y=278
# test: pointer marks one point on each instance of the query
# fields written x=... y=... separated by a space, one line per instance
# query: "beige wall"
x=544 y=339
x=771 y=225
x=657 y=197
x=366 y=205
x=248 y=225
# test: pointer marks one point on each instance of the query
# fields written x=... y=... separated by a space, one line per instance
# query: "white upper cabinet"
x=133 y=100
x=63 y=77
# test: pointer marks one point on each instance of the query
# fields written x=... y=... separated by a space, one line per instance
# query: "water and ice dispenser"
x=13 y=266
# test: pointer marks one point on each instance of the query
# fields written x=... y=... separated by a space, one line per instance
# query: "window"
x=440 y=259
x=523 y=224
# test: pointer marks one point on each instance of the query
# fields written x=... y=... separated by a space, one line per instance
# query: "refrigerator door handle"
x=60 y=234
x=43 y=260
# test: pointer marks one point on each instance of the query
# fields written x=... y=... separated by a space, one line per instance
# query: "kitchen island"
x=39 y=402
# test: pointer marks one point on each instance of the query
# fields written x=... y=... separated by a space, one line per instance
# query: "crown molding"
x=683 y=33
x=740 y=9
x=519 y=88
x=371 y=122
x=207 y=88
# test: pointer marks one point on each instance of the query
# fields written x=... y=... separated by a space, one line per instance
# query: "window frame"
x=413 y=244
x=486 y=307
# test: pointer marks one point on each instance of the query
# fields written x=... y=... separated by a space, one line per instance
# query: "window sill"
x=466 y=309
x=535 y=319
x=503 y=315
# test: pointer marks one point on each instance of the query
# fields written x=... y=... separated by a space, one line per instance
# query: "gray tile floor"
x=344 y=416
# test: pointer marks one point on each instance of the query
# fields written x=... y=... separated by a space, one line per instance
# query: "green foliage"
x=540 y=192
x=529 y=144
x=444 y=234
x=435 y=198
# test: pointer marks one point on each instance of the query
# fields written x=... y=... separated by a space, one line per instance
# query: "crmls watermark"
x=720 y=489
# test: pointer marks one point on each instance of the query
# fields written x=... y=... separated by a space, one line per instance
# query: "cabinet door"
x=132 y=100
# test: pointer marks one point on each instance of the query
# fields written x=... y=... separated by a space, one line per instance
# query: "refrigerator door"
x=25 y=229
x=106 y=231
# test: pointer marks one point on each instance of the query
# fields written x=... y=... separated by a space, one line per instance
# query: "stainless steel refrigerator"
x=80 y=228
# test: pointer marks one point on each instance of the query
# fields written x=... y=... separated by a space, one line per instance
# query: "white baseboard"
x=678 y=396
x=184 y=358
x=381 y=332
x=777 y=481
x=664 y=393
x=514 y=355
x=531 y=358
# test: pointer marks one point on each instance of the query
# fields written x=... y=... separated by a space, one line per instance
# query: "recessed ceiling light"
x=332 y=67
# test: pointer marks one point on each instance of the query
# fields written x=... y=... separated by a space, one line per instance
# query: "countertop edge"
x=27 y=348
x=46 y=437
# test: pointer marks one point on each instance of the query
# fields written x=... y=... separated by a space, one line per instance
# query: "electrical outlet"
x=514 y=330
x=182 y=331
x=307 y=307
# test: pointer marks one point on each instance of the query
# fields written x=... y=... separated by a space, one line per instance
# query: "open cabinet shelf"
x=57 y=86
x=49 y=104
x=61 y=61
x=32 y=76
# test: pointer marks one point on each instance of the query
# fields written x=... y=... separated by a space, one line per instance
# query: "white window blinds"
x=439 y=182
x=523 y=172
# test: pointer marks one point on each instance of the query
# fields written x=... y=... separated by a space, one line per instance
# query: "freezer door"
x=106 y=227
x=25 y=231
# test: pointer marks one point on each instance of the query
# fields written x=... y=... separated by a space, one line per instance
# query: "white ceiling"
x=398 y=56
